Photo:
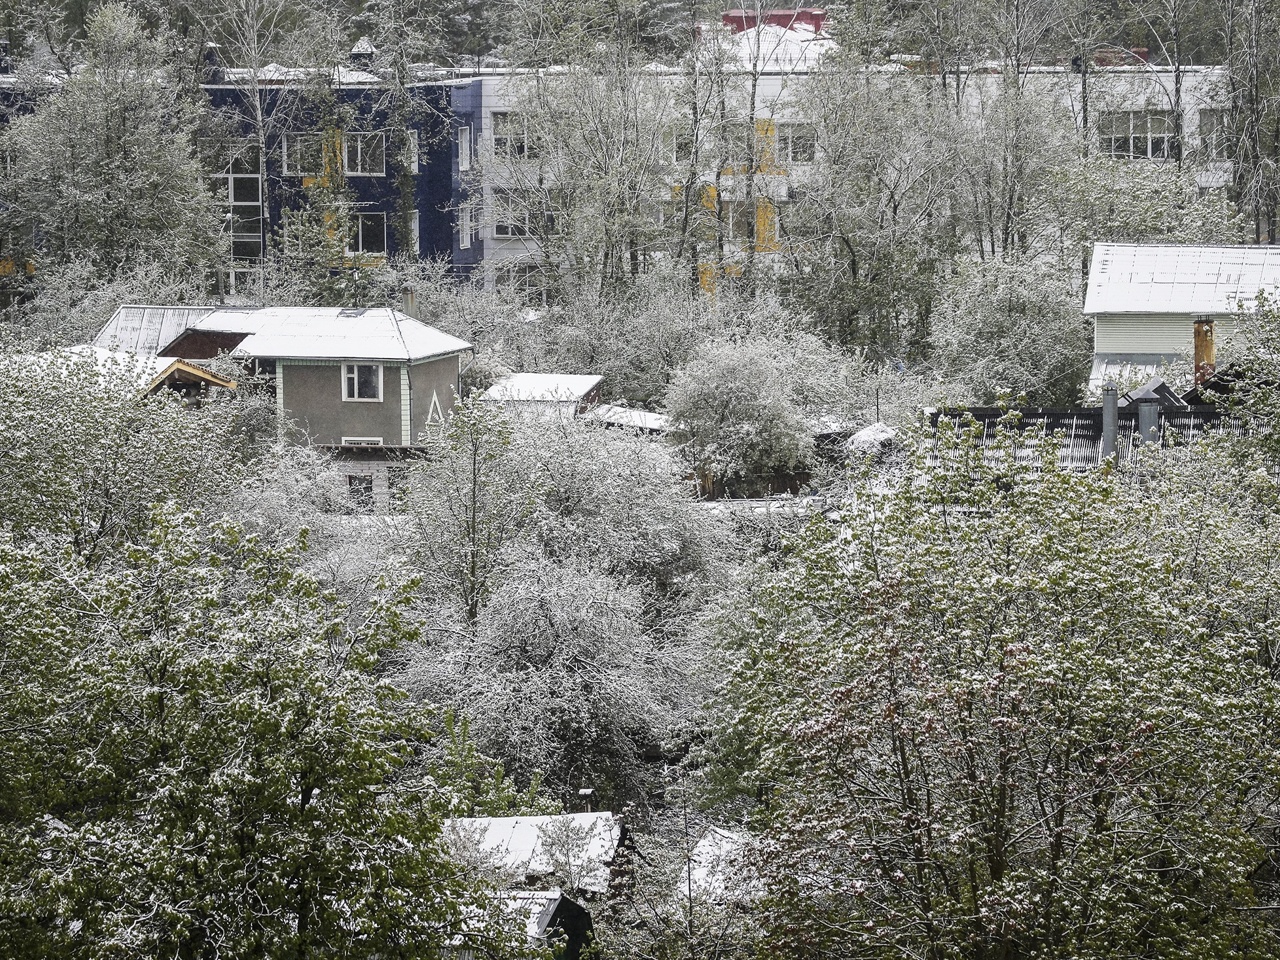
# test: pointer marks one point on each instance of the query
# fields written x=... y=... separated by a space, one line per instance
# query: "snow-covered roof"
x=144 y=330
x=542 y=388
x=535 y=907
x=274 y=74
x=1127 y=369
x=1146 y=278
x=631 y=417
x=536 y=846
x=326 y=333
x=773 y=49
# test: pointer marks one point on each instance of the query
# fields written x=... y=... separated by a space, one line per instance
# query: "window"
x=238 y=190
x=519 y=214
x=368 y=233
x=365 y=154
x=303 y=154
x=464 y=149
x=738 y=145
x=1138 y=135
x=524 y=280
x=362 y=441
x=797 y=143
x=511 y=215
x=739 y=220
x=464 y=227
x=511 y=137
x=362 y=382
x=682 y=144
x=411 y=152
x=1215 y=137
x=360 y=491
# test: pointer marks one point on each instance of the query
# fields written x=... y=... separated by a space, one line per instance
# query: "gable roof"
x=1149 y=278
x=311 y=333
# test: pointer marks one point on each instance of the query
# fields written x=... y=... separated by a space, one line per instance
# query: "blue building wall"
x=395 y=192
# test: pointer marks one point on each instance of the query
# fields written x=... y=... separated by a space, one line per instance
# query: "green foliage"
x=560 y=565
x=200 y=760
x=104 y=170
x=745 y=408
x=87 y=455
x=1008 y=710
x=1013 y=328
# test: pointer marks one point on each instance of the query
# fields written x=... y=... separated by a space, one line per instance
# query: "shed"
x=1146 y=298
x=581 y=847
x=562 y=395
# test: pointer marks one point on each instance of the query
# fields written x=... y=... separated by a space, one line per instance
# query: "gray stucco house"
x=344 y=377
x=368 y=383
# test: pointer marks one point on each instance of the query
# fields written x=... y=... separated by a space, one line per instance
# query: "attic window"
x=362 y=381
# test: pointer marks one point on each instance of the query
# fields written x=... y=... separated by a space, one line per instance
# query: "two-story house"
x=370 y=384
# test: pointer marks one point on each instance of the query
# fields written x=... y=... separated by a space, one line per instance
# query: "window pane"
x=373 y=233
x=244 y=190
x=366 y=382
x=373 y=154
x=246 y=248
x=804 y=144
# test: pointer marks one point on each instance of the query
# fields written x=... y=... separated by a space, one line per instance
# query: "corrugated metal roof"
x=1138 y=278
x=542 y=388
x=631 y=417
x=144 y=330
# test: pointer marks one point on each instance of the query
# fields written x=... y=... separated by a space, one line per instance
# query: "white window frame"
x=508 y=141
x=350 y=370
x=786 y=132
x=362 y=441
x=412 y=153
x=464 y=227
x=358 y=223
x=291 y=139
x=1138 y=126
x=356 y=138
x=511 y=217
x=464 y=149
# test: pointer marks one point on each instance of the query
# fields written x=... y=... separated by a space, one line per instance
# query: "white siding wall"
x=1152 y=333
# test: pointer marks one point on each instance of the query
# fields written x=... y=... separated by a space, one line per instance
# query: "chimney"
x=1204 y=351
x=1110 y=421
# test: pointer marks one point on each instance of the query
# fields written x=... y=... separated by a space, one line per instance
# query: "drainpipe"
x=1149 y=421
x=1110 y=420
x=1204 y=350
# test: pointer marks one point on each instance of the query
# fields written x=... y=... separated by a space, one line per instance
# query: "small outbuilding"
x=546 y=395
x=1154 y=305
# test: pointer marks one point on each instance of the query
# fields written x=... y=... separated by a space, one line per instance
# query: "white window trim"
x=362 y=441
x=464 y=149
x=284 y=149
x=350 y=137
x=343 y=370
x=464 y=227
x=352 y=252
x=412 y=151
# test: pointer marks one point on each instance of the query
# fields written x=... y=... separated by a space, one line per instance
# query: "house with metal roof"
x=546 y=395
x=370 y=383
x=1146 y=301
x=370 y=377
